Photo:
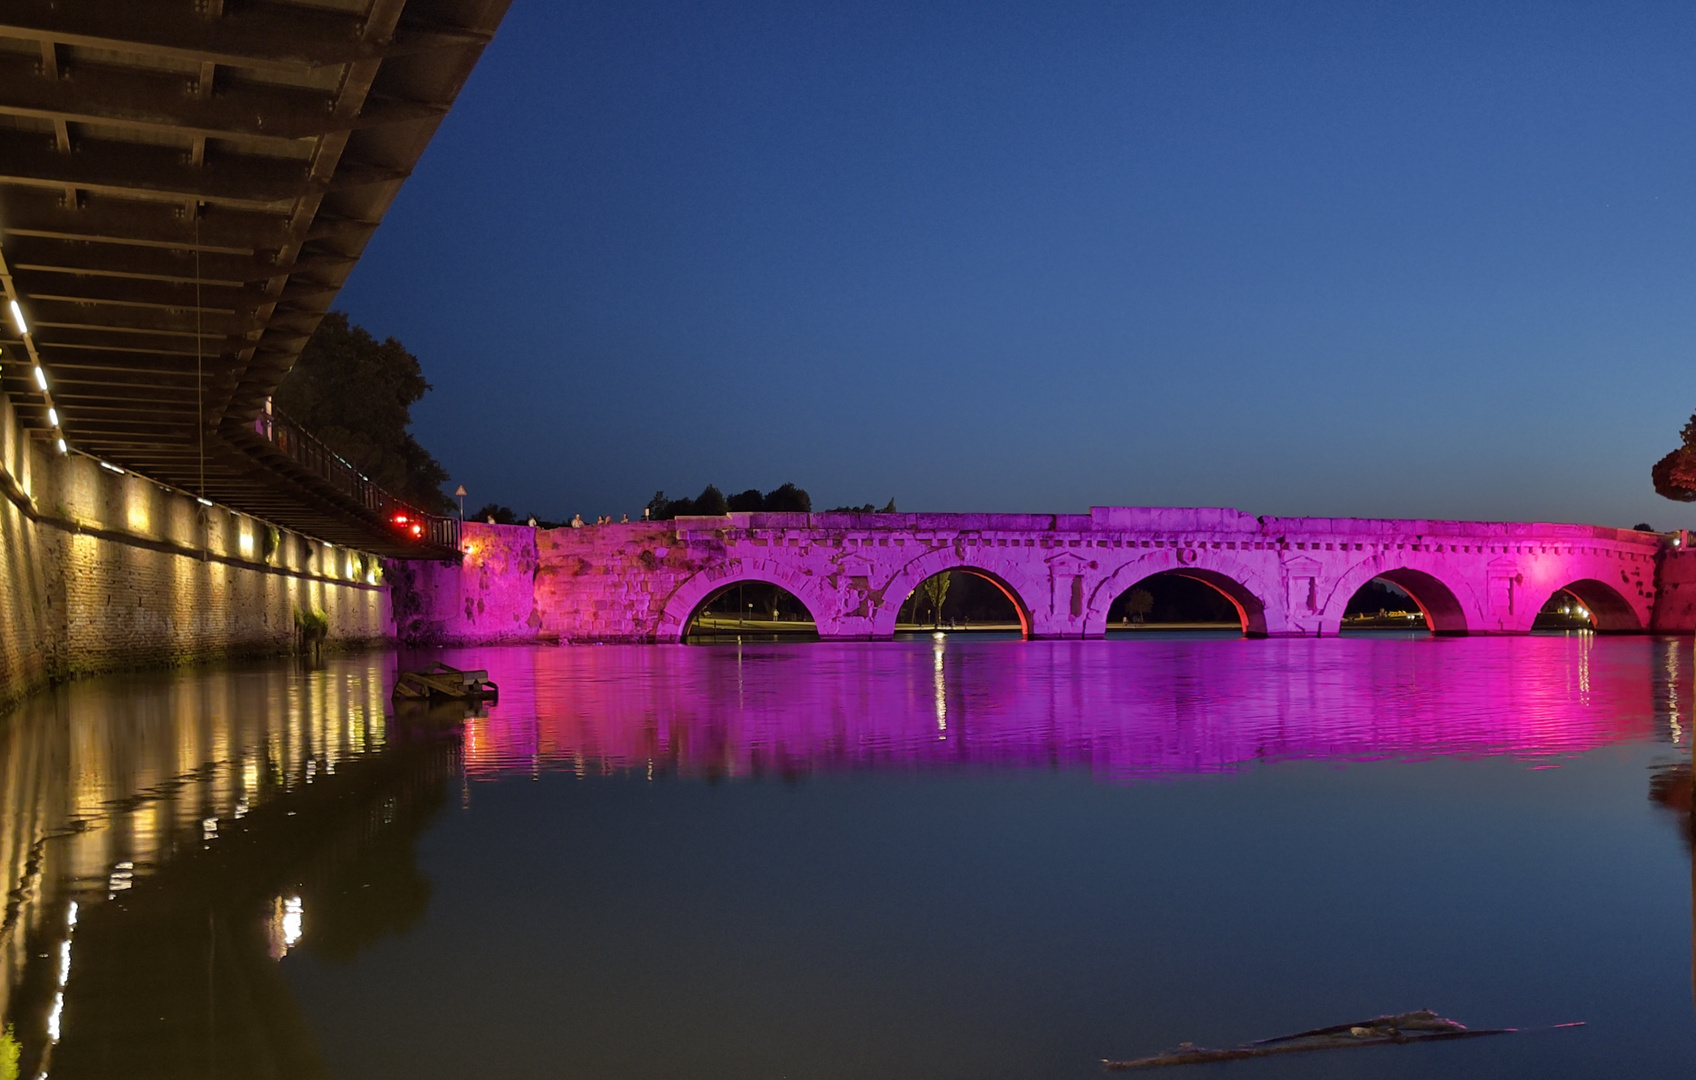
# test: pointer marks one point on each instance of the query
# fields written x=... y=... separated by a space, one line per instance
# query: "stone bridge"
x=643 y=582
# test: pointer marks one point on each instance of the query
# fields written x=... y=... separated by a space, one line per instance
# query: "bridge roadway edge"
x=1290 y=577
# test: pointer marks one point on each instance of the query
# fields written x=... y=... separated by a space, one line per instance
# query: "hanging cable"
x=199 y=375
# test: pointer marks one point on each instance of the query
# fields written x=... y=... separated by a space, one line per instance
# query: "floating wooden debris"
x=1422 y=1025
x=440 y=682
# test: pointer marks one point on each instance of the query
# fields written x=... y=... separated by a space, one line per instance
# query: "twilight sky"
x=1402 y=260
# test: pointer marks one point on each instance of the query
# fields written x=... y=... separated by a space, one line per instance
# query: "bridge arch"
x=1610 y=611
x=1000 y=584
x=680 y=608
x=927 y=566
x=1240 y=588
x=1441 y=605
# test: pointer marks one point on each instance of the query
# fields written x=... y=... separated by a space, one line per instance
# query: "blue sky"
x=1405 y=260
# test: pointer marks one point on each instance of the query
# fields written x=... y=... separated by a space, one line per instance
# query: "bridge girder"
x=183 y=191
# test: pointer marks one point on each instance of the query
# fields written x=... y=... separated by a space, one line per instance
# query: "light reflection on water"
x=123 y=799
x=1122 y=710
x=194 y=860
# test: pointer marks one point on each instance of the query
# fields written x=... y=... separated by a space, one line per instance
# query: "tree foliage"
x=11 y=1051
x=494 y=514
x=1675 y=474
x=935 y=589
x=1171 y=598
x=356 y=394
x=868 y=508
x=787 y=499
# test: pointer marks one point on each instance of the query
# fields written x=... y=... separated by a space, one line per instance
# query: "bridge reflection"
x=1159 y=708
x=169 y=837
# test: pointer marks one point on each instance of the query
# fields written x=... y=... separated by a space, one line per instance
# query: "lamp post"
x=461 y=493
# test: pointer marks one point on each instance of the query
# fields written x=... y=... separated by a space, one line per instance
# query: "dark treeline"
x=1171 y=598
x=712 y=502
x=867 y=508
x=496 y=514
x=787 y=499
x=1379 y=597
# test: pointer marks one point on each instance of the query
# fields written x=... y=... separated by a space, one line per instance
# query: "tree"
x=786 y=499
x=936 y=591
x=356 y=395
x=1139 y=604
x=1675 y=475
x=749 y=502
x=710 y=503
x=495 y=512
x=867 y=508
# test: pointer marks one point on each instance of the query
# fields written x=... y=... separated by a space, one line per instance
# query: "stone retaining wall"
x=105 y=570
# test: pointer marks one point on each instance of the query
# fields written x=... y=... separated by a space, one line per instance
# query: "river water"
x=936 y=858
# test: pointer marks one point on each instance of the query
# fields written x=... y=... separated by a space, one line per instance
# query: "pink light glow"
x=1121 y=709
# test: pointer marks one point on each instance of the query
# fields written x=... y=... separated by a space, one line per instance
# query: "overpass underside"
x=184 y=187
x=1284 y=576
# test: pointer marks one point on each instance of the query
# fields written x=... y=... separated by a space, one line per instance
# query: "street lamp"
x=461 y=493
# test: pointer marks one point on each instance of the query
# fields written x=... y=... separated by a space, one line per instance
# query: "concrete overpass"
x=184 y=187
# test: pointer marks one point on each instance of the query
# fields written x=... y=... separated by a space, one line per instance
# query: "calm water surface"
x=955 y=858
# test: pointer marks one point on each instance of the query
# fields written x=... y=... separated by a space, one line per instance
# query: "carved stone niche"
x=1503 y=577
x=1302 y=575
x=1066 y=584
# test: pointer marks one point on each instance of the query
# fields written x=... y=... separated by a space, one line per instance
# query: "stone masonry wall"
x=489 y=598
x=1288 y=576
x=1675 y=588
x=24 y=639
x=105 y=569
x=518 y=584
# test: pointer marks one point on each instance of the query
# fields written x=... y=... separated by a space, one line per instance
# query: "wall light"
x=18 y=318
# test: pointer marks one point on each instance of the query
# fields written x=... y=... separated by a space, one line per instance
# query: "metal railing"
x=305 y=450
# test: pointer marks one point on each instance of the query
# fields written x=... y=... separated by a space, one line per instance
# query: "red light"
x=401 y=519
x=418 y=530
